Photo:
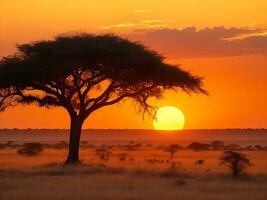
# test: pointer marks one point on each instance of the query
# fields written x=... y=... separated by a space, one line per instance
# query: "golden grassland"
x=145 y=173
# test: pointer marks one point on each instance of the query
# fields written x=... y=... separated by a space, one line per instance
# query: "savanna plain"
x=129 y=169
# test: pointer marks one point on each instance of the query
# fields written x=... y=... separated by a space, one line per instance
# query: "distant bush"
x=30 y=149
x=154 y=161
x=2 y=146
x=199 y=162
x=132 y=146
x=180 y=182
x=236 y=162
x=103 y=154
x=217 y=145
x=258 y=147
x=198 y=146
x=232 y=147
x=122 y=157
x=160 y=147
x=249 y=148
x=149 y=145
x=61 y=145
x=8 y=144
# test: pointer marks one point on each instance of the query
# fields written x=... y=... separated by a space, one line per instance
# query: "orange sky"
x=235 y=72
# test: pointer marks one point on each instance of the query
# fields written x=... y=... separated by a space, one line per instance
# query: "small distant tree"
x=30 y=149
x=173 y=149
x=236 y=162
x=83 y=73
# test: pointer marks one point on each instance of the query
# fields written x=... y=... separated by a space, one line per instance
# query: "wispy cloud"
x=154 y=26
x=149 y=21
x=141 y=11
x=208 y=42
x=125 y=25
x=152 y=21
x=105 y=27
x=142 y=24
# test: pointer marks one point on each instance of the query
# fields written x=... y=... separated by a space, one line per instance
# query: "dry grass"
x=98 y=182
x=44 y=177
x=186 y=159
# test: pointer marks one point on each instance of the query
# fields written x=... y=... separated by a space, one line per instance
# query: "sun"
x=169 y=118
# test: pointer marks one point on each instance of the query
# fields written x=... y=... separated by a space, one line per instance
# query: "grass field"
x=88 y=182
x=145 y=173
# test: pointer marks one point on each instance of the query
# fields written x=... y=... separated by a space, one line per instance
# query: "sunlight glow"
x=169 y=118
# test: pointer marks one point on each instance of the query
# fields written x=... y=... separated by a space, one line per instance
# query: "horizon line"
x=138 y=129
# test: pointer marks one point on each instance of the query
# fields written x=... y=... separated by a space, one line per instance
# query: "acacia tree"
x=83 y=73
x=236 y=162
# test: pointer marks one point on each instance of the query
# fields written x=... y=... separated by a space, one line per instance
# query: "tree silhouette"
x=235 y=161
x=85 y=72
x=173 y=149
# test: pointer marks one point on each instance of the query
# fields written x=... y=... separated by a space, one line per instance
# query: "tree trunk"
x=74 y=141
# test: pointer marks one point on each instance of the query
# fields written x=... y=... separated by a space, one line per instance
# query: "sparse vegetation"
x=131 y=169
x=236 y=162
x=30 y=149
x=196 y=146
x=217 y=145
x=123 y=157
x=96 y=182
x=180 y=182
x=199 y=162
x=172 y=149
x=103 y=154
x=61 y=145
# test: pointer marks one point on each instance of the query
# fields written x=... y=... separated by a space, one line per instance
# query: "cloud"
x=208 y=42
x=141 y=11
x=141 y=24
x=125 y=25
x=152 y=21
x=105 y=27
x=149 y=21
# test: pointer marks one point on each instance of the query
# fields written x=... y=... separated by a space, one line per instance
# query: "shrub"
x=122 y=157
x=258 y=147
x=30 y=149
x=180 y=182
x=236 y=162
x=154 y=161
x=160 y=147
x=61 y=145
x=199 y=162
x=217 y=145
x=103 y=154
x=198 y=146
x=233 y=147
x=2 y=146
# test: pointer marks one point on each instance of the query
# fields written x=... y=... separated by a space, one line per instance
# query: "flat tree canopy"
x=85 y=72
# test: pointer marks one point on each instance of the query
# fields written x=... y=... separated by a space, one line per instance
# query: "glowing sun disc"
x=169 y=118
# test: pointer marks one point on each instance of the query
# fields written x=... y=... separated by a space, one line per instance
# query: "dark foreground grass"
x=60 y=182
